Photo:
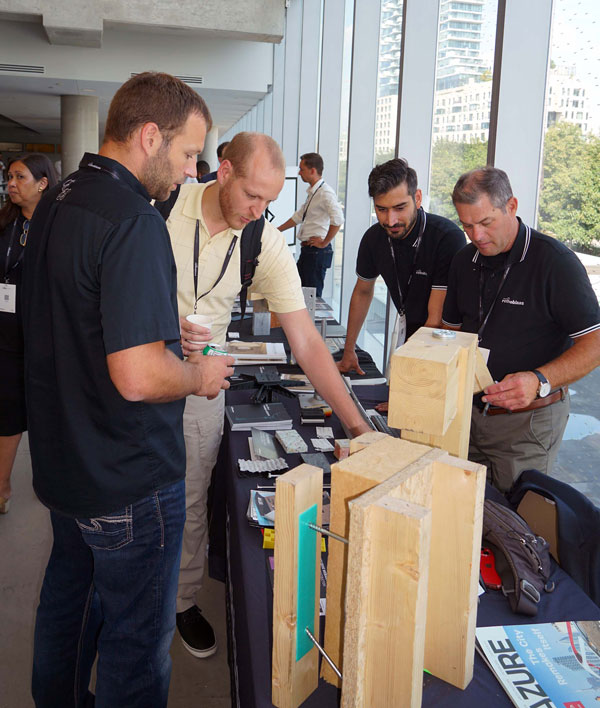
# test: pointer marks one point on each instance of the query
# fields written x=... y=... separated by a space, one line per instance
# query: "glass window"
x=372 y=337
x=333 y=294
x=463 y=77
x=569 y=198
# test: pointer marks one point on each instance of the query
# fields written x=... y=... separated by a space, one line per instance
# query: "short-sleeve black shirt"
x=545 y=302
x=99 y=277
x=440 y=241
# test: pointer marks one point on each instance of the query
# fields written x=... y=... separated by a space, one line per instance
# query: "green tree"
x=448 y=162
x=569 y=205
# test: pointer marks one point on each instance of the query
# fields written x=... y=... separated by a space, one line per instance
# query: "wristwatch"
x=544 y=387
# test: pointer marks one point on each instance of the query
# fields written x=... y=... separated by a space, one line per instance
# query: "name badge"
x=8 y=297
x=400 y=328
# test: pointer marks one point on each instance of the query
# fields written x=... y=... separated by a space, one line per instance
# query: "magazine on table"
x=551 y=665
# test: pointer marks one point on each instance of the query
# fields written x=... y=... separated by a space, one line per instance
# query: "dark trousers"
x=312 y=266
x=110 y=587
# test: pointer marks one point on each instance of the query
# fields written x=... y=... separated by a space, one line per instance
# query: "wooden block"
x=483 y=377
x=456 y=439
x=424 y=381
x=386 y=603
x=361 y=441
x=294 y=677
x=341 y=449
x=349 y=479
x=457 y=514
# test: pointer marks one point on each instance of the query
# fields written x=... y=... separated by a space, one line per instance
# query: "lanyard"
x=196 y=256
x=8 y=270
x=416 y=246
x=484 y=320
x=310 y=200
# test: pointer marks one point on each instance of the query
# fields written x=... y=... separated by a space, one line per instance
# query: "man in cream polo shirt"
x=248 y=179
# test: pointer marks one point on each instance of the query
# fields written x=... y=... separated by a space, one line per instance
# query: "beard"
x=401 y=230
x=227 y=208
x=157 y=175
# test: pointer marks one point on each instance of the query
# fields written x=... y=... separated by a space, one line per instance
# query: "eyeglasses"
x=24 y=232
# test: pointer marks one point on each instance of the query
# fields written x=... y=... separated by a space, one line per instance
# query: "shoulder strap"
x=250 y=247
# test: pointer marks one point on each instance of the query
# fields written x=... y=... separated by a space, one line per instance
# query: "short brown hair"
x=153 y=97
x=242 y=147
x=483 y=180
x=313 y=160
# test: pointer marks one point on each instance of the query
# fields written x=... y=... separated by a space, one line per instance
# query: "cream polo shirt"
x=276 y=276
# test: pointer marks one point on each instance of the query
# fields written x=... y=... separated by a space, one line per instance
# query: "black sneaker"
x=196 y=633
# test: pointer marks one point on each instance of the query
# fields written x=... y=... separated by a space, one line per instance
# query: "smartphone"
x=487 y=567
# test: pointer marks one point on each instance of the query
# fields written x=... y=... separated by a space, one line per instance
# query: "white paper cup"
x=202 y=320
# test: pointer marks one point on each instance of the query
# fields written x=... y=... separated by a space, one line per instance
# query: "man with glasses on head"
x=530 y=300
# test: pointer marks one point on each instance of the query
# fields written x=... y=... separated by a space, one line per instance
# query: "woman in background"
x=28 y=177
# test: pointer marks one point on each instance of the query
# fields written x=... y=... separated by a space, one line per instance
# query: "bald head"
x=246 y=147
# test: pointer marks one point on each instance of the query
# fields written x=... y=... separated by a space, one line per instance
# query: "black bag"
x=522 y=558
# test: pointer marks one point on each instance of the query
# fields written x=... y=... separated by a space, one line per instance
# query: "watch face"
x=544 y=389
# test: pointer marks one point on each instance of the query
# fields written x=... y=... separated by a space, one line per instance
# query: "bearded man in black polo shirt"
x=530 y=301
x=106 y=385
x=410 y=248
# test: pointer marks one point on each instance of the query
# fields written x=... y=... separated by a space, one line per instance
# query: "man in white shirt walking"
x=320 y=218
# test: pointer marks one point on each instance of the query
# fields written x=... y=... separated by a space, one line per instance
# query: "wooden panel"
x=386 y=603
x=296 y=491
x=457 y=515
x=456 y=438
x=349 y=479
x=483 y=377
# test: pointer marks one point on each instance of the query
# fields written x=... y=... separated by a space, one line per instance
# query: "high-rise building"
x=459 y=43
x=390 y=38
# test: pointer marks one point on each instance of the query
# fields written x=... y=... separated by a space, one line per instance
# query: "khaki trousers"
x=202 y=429
x=510 y=443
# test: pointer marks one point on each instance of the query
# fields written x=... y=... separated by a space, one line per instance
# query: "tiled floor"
x=25 y=542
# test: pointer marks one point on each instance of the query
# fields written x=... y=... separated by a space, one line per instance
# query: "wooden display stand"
x=409 y=575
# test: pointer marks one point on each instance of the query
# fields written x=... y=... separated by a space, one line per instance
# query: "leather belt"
x=554 y=397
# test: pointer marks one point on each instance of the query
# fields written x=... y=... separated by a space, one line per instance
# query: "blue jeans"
x=312 y=266
x=110 y=586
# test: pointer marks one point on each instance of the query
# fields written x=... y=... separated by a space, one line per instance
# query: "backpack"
x=522 y=558
x=250 y=247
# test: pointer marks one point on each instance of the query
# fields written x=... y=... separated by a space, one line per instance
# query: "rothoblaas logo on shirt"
x=420 y=272
x=509 y=301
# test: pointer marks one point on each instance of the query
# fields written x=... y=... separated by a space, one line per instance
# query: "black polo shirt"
x=98 y=277
x=545 y=302
x=440 y=241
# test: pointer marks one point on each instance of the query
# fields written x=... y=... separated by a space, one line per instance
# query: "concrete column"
x=78 y=128
x=210 y=148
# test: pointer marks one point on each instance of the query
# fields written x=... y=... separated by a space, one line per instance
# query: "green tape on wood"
x=305 y=592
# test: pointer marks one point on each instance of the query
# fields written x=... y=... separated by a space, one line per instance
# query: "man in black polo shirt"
x=106 y=386
x=530 y=300
x=410 y=248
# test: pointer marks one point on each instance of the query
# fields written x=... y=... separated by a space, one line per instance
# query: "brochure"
x=553 y=665
x=265 y=416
